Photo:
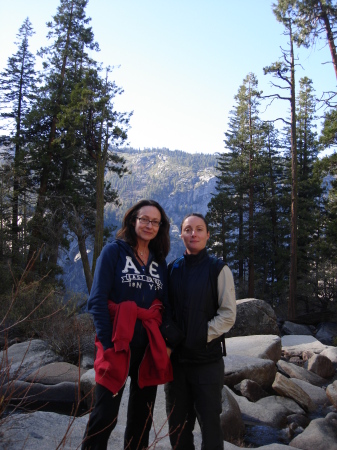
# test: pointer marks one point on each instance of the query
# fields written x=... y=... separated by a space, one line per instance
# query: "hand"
x=169 y=351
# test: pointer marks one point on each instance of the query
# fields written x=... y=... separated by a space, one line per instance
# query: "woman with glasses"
x=202 y=298
x=127 y=298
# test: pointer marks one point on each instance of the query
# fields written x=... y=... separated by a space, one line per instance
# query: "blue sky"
x=180 y=62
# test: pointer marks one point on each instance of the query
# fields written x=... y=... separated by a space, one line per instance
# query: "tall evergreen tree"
x=236 y=180
x=285 y=72
x=271 y=218
x=17 y=85
x=309 y=191
x=92 y=130
x=64 y=62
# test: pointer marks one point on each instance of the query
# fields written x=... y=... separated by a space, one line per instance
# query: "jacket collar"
x=192 y=260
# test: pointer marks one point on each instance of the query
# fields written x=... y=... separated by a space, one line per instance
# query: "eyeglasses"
x=144 y=221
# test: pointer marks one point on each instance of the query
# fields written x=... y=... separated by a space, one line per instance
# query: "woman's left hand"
x=169 y=351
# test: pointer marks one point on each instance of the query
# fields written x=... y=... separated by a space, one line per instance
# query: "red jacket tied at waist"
x=112 y=365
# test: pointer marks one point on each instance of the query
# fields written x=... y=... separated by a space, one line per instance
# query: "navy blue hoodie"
x=119 y=277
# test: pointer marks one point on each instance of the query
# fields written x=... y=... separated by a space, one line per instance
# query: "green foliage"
x=308 y=18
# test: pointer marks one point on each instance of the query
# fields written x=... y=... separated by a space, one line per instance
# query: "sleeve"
x=226 y=313
x=100 y=291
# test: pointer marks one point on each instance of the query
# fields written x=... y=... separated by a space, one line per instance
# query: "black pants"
x=195 y=392
x=103 y=418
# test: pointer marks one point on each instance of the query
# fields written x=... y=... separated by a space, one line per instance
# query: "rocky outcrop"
x=287 y=388
x=257 y=346
x=251 y=390
x=321 y=434
x=232 y=423
x=331 y=393
x=264 y=394
x=296 y=328
x=327 y=332
x=239 y=368
x=28 y=357
x=320 y=365
x=295 y=371
x=254 y=317
x=57 y=372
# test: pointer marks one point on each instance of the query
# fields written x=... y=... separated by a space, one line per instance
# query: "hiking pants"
x=103 y=418
x=195 y=392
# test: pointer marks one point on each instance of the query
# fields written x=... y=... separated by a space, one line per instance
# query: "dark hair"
x=196 y=215
x=160 y=245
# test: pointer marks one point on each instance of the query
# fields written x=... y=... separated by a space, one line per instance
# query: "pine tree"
x=236 y=182
x=17 y=85
x=271 y=218
x=309 y=190
x=285 y=72
x=64 y=62
x=92 y=130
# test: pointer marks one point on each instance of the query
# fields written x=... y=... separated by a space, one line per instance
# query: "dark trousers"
x=103 y=418
x=195 y=393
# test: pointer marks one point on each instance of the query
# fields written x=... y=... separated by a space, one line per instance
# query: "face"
x=194 y=234
x=146 y=232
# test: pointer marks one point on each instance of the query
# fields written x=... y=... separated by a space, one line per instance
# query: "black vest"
x=194 y=301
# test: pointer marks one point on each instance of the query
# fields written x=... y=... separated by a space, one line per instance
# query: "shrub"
x=69 y=335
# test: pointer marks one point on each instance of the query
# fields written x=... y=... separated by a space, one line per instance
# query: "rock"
x=293 y=345
x=46 y=430
x=294 y=371
x=300 y=419
x=59 y=397
x=287 y=388
x=321 y=366
x=254 y=317
x=238 y=368
x=317 y=394
x=27 y=357
x=87 y=383
x=55 y=373
x=232 y=424
x=296 y=360
x=271 y=411
x=331 y=353
x=326 y=332
x=251 y=390
x=321 y=434
x=87 y=362
x=306 y=355
x=42 y=430
x=295 y=328
x=258 y=346
x=286 y=403
x=331 y=393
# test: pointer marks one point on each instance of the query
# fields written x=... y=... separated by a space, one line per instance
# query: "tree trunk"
x=293 y=231
x=16 y=175
x=329 y=35
x=251 y=274
x=99 y=225
x=85 y=260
